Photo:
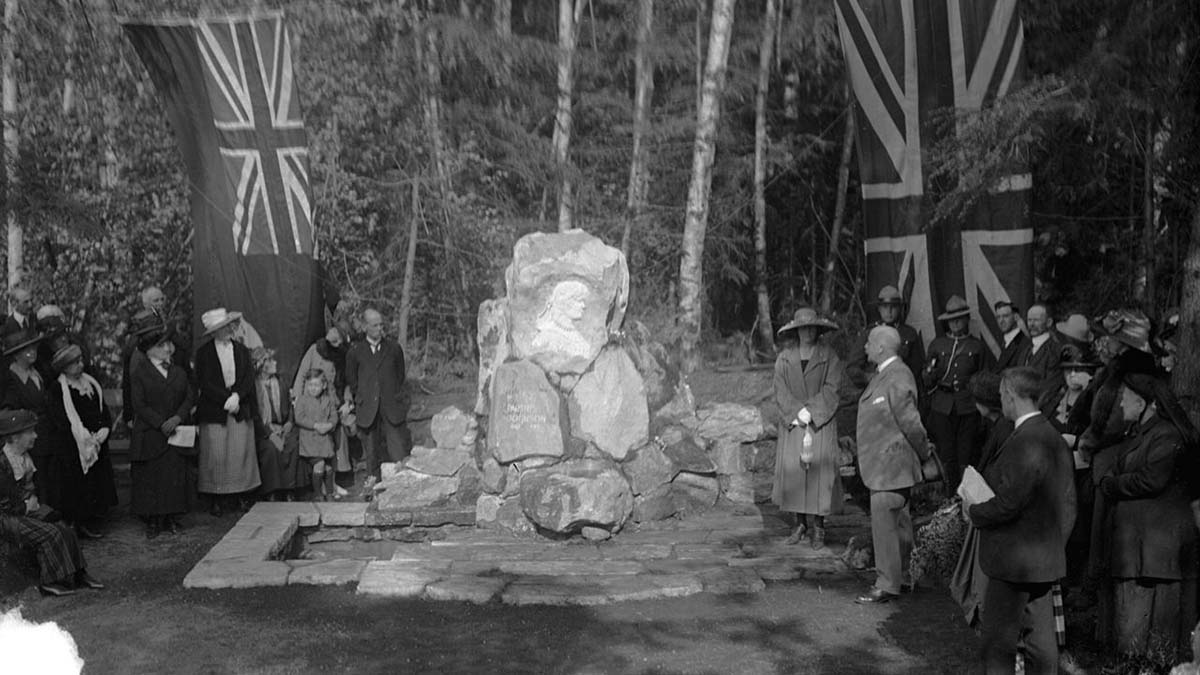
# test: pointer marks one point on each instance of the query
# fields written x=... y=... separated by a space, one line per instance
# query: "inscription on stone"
x=525 y=419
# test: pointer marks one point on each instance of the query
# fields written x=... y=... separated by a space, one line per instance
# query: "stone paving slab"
x=306 y=513
x=397 y=579
x=726 y=580
x=598 y=590
x=467 y=588
x=327 y=573
x=343 y=514
x=571 y=567
x=623 y=551
x=247 y=575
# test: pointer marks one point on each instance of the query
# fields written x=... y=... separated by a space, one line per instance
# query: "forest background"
x=437 y=138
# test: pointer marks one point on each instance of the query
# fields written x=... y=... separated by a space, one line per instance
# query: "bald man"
x=892 y=446
x=375 y=376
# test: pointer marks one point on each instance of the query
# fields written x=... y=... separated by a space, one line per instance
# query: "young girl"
x=316 y=416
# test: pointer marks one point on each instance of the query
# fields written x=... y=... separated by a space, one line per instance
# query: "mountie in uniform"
x=890 y=304
x=953 y=421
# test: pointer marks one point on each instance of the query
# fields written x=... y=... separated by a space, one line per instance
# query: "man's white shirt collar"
x=1023 y=418
x=880 y=367
x=1040 y=340
x=1011 y=335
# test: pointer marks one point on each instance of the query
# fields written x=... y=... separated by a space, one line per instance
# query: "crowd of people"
x=1061 y=445
x=208 y=428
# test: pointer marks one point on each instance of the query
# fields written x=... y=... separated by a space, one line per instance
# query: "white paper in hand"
x=184 y=436
x=974 y=489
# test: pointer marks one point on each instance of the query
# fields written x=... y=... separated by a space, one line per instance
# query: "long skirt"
x=160 y=486
x=57 y=549
x=280 y=467
x=811 y=489
x=228 y=458
x=1144 y=615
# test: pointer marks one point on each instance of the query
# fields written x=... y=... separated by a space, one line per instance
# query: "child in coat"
x=316 y=416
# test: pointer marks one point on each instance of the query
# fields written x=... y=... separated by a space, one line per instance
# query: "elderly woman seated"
x=23 y=519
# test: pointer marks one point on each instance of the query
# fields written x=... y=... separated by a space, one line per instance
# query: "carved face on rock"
x=566 y=303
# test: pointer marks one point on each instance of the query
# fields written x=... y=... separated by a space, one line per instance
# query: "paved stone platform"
x=732 y=549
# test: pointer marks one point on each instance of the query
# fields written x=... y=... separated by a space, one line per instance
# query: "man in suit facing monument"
x=892 y=447
x=1013 y=340
x=375 y=375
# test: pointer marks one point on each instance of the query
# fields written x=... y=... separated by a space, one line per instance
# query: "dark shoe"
x=85 y=532
x=152 y=530
x=876 y=596
x=86 y=580
x=818 y=538
x=796 y=536
x=215 y=510
x=57 y=590
x=910 y=587
x=172 y=526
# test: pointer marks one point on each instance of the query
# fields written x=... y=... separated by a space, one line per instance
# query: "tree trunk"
x=639 y=170
x=691 y=269
x=16 y=237
x=1149 y=240
x=1186 y=374
x=569 y=15
x=839 y=211
x=68 y=86
x=502 y=23
x=766 y=330
x=410 y=262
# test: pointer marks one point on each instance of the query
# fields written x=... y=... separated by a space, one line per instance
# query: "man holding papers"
x=892 y=446
x=1023 y=530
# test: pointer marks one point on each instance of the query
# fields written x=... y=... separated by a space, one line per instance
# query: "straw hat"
x=65 y=357
x=956 y=308
x=218 y=318
x=20 y=339
x=889 y=295
x=807 y=317
x=16 y=421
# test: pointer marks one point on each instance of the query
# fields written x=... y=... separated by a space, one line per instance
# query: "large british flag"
x=908 y=59
x=231 y=94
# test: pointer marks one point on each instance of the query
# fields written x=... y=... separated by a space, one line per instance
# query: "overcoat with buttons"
x=892 y=443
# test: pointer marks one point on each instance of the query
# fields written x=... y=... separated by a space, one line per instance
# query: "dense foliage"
x=103 y=199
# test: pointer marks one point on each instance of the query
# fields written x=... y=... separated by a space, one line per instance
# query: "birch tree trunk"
x=839 y=210
x=410 y=262
x=569 y=15
x=691 y=268
x=16 y=238
x=502 y=23
x=765 y=329
x=639 y=170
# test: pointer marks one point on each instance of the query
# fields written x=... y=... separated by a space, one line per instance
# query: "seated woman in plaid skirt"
x=22 y=517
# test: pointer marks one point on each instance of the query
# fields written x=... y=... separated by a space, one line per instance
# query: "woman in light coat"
x=808 y=375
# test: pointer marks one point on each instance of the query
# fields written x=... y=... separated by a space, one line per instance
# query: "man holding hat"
x=953 y=420
x=890 y=305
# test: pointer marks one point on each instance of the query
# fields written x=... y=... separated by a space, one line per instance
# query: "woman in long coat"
x=1152 y=544
x=162 y=400
x=808 y=375
x=328 y=355
x=225 y=409
x=75 y=402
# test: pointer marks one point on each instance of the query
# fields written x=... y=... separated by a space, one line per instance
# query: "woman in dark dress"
x=25 y=389
x=162 y=400
x=75 y=404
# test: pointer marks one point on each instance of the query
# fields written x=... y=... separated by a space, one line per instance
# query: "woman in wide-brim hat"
x=75 y=403
x=225 y=407
x=161 y=398
x=808 y=375
x=24 y=519
x=25 y=388
x=1151 y=549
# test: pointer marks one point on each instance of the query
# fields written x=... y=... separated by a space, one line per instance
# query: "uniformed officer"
x=890 y=305
x=953 y=420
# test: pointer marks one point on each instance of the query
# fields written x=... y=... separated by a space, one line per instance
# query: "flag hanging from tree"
x=231 y=95
x=908 y=59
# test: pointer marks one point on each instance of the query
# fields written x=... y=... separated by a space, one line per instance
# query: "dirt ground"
x=146 y=622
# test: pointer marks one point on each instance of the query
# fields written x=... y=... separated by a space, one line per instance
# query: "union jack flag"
x=256 y=109
x=907 y=59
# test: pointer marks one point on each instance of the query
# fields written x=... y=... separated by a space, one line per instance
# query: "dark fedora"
x=956 y=308
x=807 y=317
x=16 y=421
x=889 y=295
x=145 y=322
x=20 y=339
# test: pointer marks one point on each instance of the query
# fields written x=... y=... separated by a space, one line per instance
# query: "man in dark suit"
x=1043 y=352
x=892 y=447
x=1023 y=531
x=20 y=301
x=375 y=375
x=1014 y=341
